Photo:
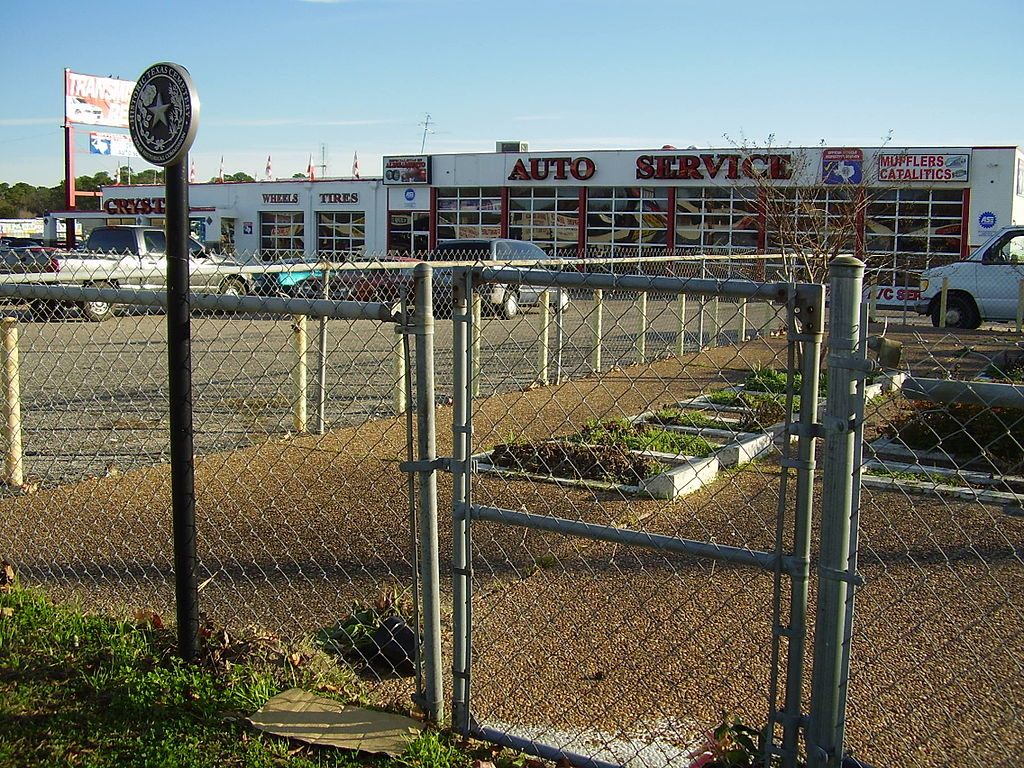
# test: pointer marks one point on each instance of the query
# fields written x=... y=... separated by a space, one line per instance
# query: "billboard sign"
x=91 y=100
x=407 y=170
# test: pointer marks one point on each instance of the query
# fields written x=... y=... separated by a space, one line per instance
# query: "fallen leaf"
x=295 y=659
x=482 y=764
x=6 y=613
x=149 y=618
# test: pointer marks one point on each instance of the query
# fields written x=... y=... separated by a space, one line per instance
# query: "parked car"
x=136 y=257
x=390 y=284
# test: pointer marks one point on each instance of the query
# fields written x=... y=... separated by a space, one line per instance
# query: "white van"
x=984 y=287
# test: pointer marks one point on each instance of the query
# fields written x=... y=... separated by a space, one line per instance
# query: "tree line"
x=24 y=201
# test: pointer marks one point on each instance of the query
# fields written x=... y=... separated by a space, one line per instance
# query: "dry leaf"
x=6 y=613
x=482 y=764
x=295 y=659
x=6 y=574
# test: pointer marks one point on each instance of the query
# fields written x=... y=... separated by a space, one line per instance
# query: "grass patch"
x=642 y=437
x=605 y=463
x=936 y=478
x=771 y=380
x=93 y=691
x=678 y=417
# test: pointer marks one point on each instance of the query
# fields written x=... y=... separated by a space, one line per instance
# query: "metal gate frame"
x=805 y=308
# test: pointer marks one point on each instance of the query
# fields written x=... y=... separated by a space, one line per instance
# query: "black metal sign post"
x=164 y=116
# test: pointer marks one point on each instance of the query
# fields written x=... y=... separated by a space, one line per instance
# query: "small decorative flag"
x=269 y=172
x=221 y=174
x=309 y=169
x=355 y=165
x=192 y=172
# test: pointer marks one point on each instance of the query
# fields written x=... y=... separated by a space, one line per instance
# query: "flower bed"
x=960 y=449
x=612 y=455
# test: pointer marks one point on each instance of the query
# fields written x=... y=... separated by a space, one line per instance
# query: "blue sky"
x=283 y=77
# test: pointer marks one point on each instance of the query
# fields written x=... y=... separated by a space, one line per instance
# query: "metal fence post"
x=681 y=311
x=840 y=477
x=321 y=376
x=1020 y=305
x=14 y=473
x=478 y=313
x=461 y=473
x=641 y=339
x=427 y=454
x=543 y=353
x=741 y=332
x=401 y=374
x=598 y=330
x=299 y=374
x=701 y=307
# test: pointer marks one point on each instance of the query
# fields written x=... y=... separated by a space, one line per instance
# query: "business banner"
x=407 y=170
x=923 y=167
x=92 y=100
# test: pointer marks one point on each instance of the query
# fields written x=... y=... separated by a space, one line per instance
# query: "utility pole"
x=426 y=130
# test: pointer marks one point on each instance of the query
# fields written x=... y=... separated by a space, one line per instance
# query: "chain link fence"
x=936 y=675
x=661 y=412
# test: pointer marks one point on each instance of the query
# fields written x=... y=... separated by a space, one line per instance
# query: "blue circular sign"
x=410 y=195
x=987 y=220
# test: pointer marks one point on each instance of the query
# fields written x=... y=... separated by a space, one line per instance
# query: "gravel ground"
x=582 y=636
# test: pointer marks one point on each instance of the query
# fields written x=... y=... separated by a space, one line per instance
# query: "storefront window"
x=913 y=229
x=468 y=212
x=408 y=232
x=627 y=221
x=546 y=216
x=282 y=234
x=339 y=233
x=716 y=219
x=812 y=219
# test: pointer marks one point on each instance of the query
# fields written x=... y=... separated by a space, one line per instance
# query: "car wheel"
x=509 y=304
x=960 y=313
x=98 y=311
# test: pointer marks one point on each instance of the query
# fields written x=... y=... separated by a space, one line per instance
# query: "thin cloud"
x=538 y=118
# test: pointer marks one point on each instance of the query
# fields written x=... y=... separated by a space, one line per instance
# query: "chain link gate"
x=785 y=560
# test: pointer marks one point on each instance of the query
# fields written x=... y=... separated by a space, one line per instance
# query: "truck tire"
x=98 y=311
x=960 y=312
x=233 y=286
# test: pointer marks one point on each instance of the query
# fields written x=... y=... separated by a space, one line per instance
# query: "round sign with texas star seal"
x=163 y=114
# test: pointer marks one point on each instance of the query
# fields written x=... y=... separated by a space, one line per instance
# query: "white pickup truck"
x=984 y=287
